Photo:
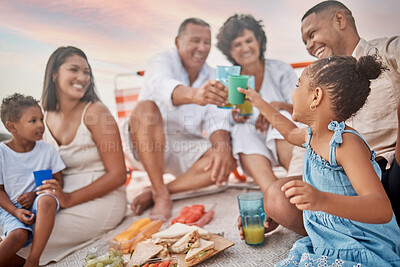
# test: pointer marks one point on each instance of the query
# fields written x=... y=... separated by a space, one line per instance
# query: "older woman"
x=242 y=40
x=93 y=198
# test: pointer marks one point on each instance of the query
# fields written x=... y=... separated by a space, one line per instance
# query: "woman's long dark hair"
x=49 y=96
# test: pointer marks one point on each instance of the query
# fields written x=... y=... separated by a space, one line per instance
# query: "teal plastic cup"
x=42 y=175
x=252 y=215
x=235 y=81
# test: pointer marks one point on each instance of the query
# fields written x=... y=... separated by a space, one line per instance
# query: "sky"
x=120 y=36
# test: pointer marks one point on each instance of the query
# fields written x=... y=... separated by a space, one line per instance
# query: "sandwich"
x=143 y=252
x=176 y=231
x=198 y=254
x=203 y=233
x=186 y=242
x=164 y=253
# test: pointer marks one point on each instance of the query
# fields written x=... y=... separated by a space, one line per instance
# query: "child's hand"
x=240 y=228
x=255 y=99
x=26 y=199
x=25 y=216
x=303 y=195
x=269 y=226
x=237 y=118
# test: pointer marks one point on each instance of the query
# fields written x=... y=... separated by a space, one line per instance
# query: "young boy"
x=25 y=213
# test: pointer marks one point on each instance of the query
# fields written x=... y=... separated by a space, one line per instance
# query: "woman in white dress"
x=93 y=199
x=259 y=147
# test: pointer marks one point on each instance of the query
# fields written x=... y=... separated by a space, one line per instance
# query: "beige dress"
x=77 y=226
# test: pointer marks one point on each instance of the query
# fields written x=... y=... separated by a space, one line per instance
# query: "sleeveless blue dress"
x=332 y=240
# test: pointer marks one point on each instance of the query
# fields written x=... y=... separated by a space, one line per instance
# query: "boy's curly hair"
x=12 y=107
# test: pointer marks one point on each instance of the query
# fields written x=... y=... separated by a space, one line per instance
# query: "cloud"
x=121 y=29
x=127 y=32
x=115 y=32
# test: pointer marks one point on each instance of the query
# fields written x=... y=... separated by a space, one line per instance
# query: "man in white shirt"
x=176 y=126
x=329 y=29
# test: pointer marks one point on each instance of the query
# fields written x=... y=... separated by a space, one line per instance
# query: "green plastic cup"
x=235 y=81
x=246 y=109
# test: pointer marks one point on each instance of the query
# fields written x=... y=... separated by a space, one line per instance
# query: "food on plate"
x=198 y=254
x=172 y=262
x=189 y=240
x=144 y=251
x=139 y=223
x=205 y=219
x=145 y=234
x=133 y=230
x=190 y=214
x=141 y=230
x=177 y=230
x=164 y=253
x=110 y=258
x=189 y=248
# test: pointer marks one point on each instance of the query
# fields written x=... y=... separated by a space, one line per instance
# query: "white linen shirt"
x=278 y=85
x=163 y=74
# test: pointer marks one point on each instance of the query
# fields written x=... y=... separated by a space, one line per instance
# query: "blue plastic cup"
x=42 y=175
x=252 y=215
x=252 y=82
x=223 y=73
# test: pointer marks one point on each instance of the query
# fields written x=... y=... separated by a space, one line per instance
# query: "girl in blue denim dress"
x=346 y=212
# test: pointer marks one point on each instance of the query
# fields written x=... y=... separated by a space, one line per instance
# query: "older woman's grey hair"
x=234 y=27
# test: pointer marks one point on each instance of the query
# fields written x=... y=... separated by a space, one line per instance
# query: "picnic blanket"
x=224 y=222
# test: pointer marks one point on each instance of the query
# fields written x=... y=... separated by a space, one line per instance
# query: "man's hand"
x=222 y=163
x=262 y=124
x=26 y=199
x=303 y=195
x=237 y=118
x=25 y=216
x=212 y=92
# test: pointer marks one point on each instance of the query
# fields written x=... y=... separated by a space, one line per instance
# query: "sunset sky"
x=119 y=36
